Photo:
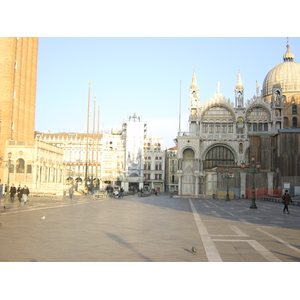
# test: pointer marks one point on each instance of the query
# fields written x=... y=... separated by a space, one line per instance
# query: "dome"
x=287 y=74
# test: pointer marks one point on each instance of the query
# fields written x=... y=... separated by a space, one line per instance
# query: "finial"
x=288 y=56
x=218 y=87
x=257 y=88
x=239 y=84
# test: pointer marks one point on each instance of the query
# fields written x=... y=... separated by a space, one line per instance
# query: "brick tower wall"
x=18 y=75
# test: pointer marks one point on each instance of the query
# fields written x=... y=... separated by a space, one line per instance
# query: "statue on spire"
x=194 y=97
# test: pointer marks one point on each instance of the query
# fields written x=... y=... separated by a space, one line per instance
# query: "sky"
x=149 y=76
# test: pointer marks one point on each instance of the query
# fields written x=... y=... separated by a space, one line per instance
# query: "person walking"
x=71 y=191
x=120 y=195
x=25 y=193
x=286 y=201
x=12 y=193
x=19 y=193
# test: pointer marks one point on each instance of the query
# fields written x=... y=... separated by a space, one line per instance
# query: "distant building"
x=171 y=178
x=119 y=157
x=154 y=164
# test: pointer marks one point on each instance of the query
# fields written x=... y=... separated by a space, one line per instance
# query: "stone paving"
x=147 y=229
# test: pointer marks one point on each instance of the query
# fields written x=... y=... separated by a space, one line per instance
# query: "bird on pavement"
x=194 y=250
x=43 y=217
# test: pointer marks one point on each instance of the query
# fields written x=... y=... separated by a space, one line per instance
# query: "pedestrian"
x=286 y=201
x=25 y=193
x=121 y=193
x=71 y=191
x=12 y=193
x=19 y=193
x=86 y=190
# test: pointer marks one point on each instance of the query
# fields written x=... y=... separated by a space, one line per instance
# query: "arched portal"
x=219 y=155
x=188 y=178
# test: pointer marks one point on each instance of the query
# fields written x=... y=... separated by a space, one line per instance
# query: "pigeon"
x=194 y=250
x=43 y=217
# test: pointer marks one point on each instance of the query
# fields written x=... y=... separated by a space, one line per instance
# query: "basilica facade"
x=224 y=139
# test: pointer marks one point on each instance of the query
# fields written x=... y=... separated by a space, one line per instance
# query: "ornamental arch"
x=219 y=155
x=188 y=166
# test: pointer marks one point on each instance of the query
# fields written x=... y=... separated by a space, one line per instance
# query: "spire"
x=194 y=97
x=239 y=84
x=194 y=85
x=288 y=56
x=257 y=88
x=239 y=91
x=218 y=87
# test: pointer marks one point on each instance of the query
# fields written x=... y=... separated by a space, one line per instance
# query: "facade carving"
x=222 y=135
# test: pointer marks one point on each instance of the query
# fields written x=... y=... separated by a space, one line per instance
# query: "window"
x=224 y=127
x=294 y=122
x=259 y=127
x=294 y=110
x=11 y=168
x=29 y=169
x=20 y=165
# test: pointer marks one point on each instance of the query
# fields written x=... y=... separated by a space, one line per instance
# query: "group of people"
x=22 y=193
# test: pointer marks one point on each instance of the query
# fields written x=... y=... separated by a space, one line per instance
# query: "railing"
x=279 y=200
x=217 y=136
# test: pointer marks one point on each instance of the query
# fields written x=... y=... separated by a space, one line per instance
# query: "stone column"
x=125 y=186
x=196 y=184
x=179 y=184
x=270 y=183
x=243 y=184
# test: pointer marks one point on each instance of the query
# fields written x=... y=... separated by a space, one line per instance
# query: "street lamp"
x=253 y=169
x=8 y=165
x=228 y=175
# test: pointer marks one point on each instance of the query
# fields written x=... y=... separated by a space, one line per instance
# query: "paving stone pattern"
x=147 y=229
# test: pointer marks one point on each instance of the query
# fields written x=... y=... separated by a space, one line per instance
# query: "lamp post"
x=8 y=165
x=253 y=169
x=228 y=175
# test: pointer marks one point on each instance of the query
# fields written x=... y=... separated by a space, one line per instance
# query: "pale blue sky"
x=143 y=75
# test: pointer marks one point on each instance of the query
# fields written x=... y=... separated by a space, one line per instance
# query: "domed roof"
x=287 y=74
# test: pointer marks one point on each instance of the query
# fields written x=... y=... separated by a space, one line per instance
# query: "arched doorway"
x=188 y=178
x=219 y=155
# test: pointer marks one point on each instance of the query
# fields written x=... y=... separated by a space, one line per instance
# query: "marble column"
x=243 y=184
x=270 y=183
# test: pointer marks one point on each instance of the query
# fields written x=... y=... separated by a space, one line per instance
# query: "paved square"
x=148 y=229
